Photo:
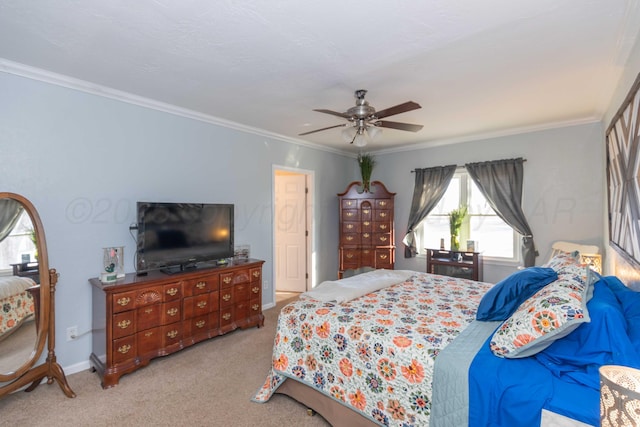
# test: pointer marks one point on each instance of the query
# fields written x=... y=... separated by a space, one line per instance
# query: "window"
x=493 y=236
x=18 y=244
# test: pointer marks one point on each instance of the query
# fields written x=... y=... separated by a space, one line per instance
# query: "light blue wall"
x=84 y=161
x=563 y=185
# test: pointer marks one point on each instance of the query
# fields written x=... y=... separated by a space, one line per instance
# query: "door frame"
x=311 y=268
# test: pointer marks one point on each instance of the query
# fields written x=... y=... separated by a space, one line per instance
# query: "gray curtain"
x=500 y=182
x=430 y=186
x=10 y=211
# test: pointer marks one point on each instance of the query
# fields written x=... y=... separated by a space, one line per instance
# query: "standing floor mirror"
x=27 y=318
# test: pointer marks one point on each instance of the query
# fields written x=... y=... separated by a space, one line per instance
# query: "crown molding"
x=45 y=76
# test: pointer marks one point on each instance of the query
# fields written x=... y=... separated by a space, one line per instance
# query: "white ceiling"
x=478 y=68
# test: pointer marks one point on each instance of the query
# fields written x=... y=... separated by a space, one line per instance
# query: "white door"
x=291 y=232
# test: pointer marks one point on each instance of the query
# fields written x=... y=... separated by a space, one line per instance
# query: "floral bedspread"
x=14 y=310
x=374 y=354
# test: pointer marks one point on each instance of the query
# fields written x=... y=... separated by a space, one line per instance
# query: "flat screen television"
x=177 y=236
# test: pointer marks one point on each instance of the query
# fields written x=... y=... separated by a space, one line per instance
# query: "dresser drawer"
x=200 y=304
x=241 y=310
x=148 y=341
x=241 y=292
x=171 y=334
x=123 y=301
x=171 y=312
x=255 y=274
x=172 y=292
x=383 y=215
x=124 y=324
x=384 y=204
x=226 y=297
x=199 y=324
x=148 y=316
x=226 y=316
x=201 y=285
x=349 y=204
x=124 y=349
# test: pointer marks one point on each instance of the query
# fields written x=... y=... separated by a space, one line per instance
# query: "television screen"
x=180 y=235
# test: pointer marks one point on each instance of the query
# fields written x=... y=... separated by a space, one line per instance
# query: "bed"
x=417 y=349
x=16 y=303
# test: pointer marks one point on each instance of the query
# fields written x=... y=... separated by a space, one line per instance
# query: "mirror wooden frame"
x=31 y=371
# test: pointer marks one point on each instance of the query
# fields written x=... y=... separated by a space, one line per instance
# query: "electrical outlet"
x=72 y=333
x=265 y=284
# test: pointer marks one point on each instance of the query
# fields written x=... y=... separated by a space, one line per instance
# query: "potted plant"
x=366 y=163
x=456 y=217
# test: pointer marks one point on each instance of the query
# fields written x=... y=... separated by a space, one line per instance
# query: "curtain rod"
x=462 y=167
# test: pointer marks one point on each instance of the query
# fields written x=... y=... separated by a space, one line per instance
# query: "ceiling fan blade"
x=335 y=113
x=397 y=109
x=397 y=125
x=318 y=130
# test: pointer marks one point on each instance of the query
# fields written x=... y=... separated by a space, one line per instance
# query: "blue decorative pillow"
x=505 y=297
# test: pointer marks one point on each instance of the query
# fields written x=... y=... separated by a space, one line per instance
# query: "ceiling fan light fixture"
x=374 y=132
x=348 y=133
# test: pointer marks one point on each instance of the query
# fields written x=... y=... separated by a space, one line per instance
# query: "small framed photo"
x=472 y=246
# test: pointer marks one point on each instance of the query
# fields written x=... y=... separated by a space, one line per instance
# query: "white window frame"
x=465 y=181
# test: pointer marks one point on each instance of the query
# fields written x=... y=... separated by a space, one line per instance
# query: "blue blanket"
x=564 y=377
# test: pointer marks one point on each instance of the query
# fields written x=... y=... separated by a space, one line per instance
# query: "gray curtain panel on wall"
x=500 y=182
x=10 y=211
x=430 y=186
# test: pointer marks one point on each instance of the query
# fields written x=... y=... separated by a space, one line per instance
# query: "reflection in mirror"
x=19 y=278
x=27 y=301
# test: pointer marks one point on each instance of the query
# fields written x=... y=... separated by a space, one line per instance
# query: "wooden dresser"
x=466 y=265
x=139 y=318
x=366 y=228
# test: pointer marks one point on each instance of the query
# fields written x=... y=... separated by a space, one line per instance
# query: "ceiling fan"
x=364 y=122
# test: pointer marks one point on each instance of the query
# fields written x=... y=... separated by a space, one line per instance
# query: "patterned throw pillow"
x=563 y=259
x=551 y=313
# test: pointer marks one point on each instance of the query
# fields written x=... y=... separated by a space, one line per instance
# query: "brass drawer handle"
x=366 y=223
x=226 y=316
x=227 y=280
x=366 y=235
x=382 y=203
x=349 y=238
x=350 y=214
x=200 y=323
x=172 y=311
x=172 y=291
x=202 y=304
x=349 y=226
x=172 y=334
x=350 y=202
x=349 y=255
x=124 y=349
x=226 y=297
x=383 y=214
x=383 y=226
x=255 y=289
x=256 y=274
x=124 y=301
x=148 y=311
x=366 y=211
x=383 y=238
x=255 y=307
x=148 y=334
x=383 y=256
x=201 y=285
x=124 y=324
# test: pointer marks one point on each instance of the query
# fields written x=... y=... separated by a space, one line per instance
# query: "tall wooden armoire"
x=366 y=227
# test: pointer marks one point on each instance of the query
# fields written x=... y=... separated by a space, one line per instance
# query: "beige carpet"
x=209 y=384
